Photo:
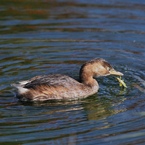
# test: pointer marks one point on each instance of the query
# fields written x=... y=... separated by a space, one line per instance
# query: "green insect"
x=121 y=82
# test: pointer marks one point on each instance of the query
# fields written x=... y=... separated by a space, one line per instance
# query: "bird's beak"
x=114 y=72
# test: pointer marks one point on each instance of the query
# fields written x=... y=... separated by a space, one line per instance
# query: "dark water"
x=58 y=36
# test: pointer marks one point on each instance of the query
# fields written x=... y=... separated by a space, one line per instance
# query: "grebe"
x=62 y=87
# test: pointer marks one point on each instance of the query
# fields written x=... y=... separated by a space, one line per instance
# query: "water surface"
x=58 y=36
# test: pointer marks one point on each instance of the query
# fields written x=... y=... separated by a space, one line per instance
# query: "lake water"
x=58 y=36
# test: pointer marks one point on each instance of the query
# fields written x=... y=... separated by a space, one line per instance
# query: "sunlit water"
x=45 y=37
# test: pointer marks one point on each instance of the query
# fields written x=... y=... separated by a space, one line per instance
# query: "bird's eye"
x=108 y=68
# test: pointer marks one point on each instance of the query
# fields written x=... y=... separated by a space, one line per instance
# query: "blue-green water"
x=58 y=36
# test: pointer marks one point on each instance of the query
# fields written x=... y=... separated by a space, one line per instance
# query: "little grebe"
x=62 y=87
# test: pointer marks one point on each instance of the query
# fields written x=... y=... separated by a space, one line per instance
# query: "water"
x=44 y=37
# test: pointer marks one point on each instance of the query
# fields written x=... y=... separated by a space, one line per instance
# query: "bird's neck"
x=88 y=79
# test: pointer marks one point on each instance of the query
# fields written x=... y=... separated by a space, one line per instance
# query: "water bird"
x=62 y=87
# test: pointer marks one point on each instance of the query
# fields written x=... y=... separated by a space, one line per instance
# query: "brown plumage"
x=62 y=87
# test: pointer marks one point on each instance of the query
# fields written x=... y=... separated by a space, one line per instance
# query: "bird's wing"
x=50 y=80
